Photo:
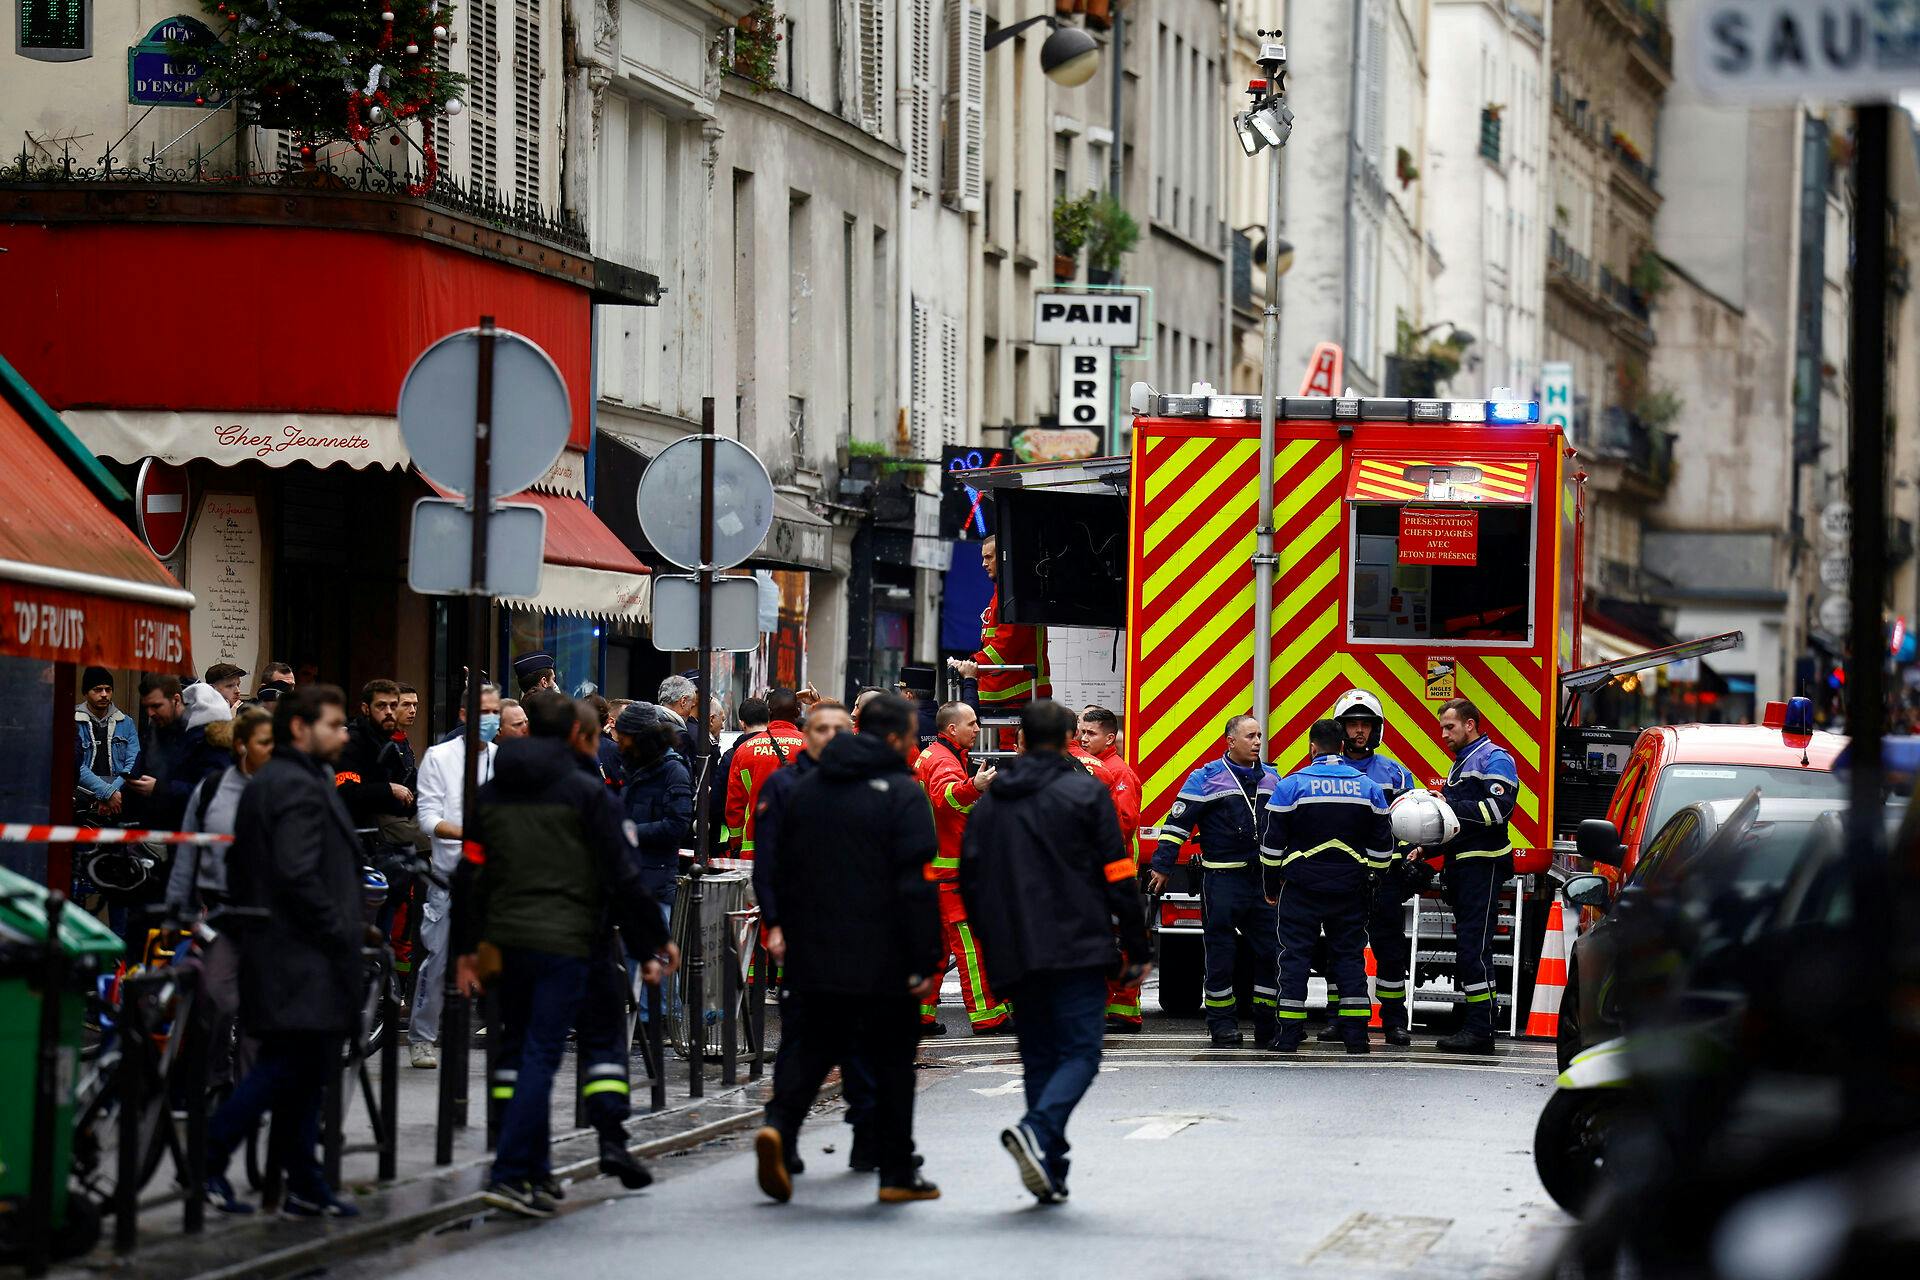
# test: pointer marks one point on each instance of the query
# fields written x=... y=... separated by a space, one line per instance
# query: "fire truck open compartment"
x=1487 y=602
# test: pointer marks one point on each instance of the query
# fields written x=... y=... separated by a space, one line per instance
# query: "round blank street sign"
x=1836 y=615
x=162 y=505
x=669 y=502
x=531 y=415
x=1836 y=522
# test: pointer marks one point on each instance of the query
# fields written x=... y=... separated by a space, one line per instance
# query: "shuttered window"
x=924 y=110
x=1373 y=86
x=921 y=427
x=483 y=96
x=527 y=77
x=951 y=387
x=872 y=19
x=962 y=175
x=939 y=381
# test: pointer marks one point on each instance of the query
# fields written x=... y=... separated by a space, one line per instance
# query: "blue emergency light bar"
x=1203 y=403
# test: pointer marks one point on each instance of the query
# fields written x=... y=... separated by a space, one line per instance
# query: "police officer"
x=1219 y=806
x=1481 y=789
x=1326 y=834
x=1364 y=728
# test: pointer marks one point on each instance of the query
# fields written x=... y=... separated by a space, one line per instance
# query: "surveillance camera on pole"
x=1267 y=123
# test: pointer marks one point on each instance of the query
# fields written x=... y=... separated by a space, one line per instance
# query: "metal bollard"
x=454 y=1034
x=757 y=993
x=694 y=1019
x=657 y=1045
x=390 y=1089
x=332 y=1115
x=39 y=1217
x=490 y=1017
x=730 y=1015
x=132 y=1081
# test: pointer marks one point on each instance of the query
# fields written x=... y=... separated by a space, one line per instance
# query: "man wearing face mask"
x=443 y=774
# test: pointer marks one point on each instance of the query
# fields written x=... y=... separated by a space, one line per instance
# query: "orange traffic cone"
x=1550 y=983
x=1372 y=970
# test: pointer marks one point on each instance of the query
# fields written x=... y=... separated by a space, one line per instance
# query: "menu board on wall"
x=224 y=574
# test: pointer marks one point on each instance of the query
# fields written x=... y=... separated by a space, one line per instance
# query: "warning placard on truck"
x=1439 y=535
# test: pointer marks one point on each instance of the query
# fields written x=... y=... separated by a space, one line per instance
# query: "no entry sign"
x=162 y=506
x=1439 y=535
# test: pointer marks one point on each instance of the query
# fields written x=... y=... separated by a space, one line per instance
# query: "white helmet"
x=1420 y=818
x=1359 y=704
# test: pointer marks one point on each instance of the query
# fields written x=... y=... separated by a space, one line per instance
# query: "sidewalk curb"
x=335 y=1243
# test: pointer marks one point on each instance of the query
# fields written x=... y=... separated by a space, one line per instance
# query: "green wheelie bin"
x=86 y=946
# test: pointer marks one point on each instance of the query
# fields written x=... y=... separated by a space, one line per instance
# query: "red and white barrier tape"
x=29 y=833
x=730 y=864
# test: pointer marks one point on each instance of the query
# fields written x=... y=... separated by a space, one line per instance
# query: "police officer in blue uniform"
x=1482 y=789
x=1326 y=835
x=1359 y=716
x=1219 y=805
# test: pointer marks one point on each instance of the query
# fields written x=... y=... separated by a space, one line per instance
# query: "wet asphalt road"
x=1187 y=1163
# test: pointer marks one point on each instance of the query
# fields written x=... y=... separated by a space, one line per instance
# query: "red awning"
x=589 y=572
x=576 y=536
x=75 y=584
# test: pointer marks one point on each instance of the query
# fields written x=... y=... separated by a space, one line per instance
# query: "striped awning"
x=1440 y=479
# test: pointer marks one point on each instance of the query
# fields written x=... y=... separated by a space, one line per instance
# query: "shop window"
x=1484 y=596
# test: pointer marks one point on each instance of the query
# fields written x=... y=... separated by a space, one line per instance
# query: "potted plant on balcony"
x=1072 y=224
x=1112 y=236
x=751 y=48
x=1404 y=168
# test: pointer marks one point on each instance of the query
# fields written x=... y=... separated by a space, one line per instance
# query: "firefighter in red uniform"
x=1004 y=644
x=1100 y=738
x=755 y=757
x=952 y=786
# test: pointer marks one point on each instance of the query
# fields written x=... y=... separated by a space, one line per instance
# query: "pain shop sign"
x=1440 y=535
x=1088 y=319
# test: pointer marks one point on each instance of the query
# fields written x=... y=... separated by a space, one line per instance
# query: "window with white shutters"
x=872 y=19
x=920 y=146
x=924 y=375
x=951 y=387
x=483 y=95
x=526 y=101
x=1373 y=87
x=442 y=122
x=962 y=174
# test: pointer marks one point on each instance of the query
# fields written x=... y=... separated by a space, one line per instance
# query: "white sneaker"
x=423 y=1056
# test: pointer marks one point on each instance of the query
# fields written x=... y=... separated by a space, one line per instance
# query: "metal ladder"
x=1430 y=933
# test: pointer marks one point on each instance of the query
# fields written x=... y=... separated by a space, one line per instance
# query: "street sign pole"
x=696 y=1019
x=454 y=1078
x=1867 y=483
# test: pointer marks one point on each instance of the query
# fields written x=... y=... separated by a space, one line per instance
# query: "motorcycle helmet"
x=1359 y=704
x=373 y=888
x=1421 y=818
x=118 y=868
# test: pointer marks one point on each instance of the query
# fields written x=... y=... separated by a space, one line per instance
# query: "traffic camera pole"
x=1263 y=553
x=1867 y=654
x=456 y=1032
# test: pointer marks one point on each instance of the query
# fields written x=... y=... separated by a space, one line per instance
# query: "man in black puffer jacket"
x=1047 y=880
x=549 y=871
x=859 y=934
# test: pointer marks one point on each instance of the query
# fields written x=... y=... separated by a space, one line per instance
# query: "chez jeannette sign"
x=159 y=77
x=321 y=439
x=1439 y=535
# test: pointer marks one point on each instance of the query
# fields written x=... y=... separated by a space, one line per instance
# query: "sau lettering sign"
x=1062 y=319
x=1086 y=385
x=1792 y=50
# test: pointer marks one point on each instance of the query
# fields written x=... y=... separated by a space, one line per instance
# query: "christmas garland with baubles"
x=333 y=70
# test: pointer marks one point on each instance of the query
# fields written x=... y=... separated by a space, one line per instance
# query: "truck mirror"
x=1599 y=842
x=1589 y=891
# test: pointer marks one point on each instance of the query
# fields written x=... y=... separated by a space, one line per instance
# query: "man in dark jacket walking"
x=548 y=872
x=1047 y=879
x=859 y=932
x=294 y=878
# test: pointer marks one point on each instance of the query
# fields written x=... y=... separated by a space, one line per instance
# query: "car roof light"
x=1428 y=410
x=1799 y=716
x=1466 y=411
x=1233 y=406
x=1183 y=406
x=1513 y=411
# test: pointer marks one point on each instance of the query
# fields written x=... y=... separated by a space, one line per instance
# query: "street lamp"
x=1069 y=56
